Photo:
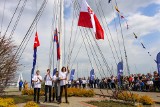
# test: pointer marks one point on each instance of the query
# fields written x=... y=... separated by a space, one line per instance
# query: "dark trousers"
x=46 y=90
x=61 y=91
x=55 y=93
x=36 y=94
x=113 y=85
x=84 y=85
x=156 y=84
x=20 y=88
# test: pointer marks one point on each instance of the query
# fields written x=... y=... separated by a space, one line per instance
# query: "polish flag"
x=88 y=19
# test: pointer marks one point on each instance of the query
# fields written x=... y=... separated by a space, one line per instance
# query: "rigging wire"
x=95 y=63
x=104 y=60
x=31 y=28
x=18 y=18
x=123 y=42
x=109 y=33
x=32 y=25
x=115 y=24
x=2 y=16
x=12 y=18
x=77 y=55
x=70 y=40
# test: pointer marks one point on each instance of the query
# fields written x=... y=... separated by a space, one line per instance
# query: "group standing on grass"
x=51 y=84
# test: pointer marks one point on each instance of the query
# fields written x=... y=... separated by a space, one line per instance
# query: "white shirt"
x=150 y=82
x=63 y=75
x=84 y=81
x=54 y=79
x=77 y=81
x=69 y=82
x=38 y=83
x=48 y=80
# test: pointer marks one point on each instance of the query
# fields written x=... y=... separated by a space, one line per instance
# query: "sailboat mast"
x=61 y=29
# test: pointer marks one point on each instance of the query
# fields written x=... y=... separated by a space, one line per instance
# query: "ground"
x=76 y=101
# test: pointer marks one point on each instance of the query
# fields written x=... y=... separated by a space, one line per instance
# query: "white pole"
x=61 y=33
x=61 y=29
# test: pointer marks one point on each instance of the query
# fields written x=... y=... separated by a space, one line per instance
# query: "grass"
x=21 y=98
x=109 y=104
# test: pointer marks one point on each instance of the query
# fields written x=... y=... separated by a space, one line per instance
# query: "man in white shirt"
x=63 y=81
x=55 y=80
x=37 y=79
x=84 y=82
x=48 y=85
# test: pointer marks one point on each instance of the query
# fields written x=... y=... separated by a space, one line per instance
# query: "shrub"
x=78 y=92
x=146 y=100
x=31 y=104
x=31 y=92
x=7 y=102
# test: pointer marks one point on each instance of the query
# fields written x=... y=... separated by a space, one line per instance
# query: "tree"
x=8 y=61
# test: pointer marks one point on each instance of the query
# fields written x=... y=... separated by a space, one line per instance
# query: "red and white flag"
x=36 y=41
x=88 y=19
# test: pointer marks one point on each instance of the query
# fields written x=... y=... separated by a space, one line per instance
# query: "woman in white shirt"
x=37 y=79
x=48 y=85
x=63 y=81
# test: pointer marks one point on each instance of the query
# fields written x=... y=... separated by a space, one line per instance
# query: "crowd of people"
x=134 y=82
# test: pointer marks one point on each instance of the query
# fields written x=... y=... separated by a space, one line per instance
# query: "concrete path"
x=73 y=102
x=80 y=101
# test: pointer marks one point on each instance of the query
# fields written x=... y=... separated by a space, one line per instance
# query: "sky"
x=142 y=17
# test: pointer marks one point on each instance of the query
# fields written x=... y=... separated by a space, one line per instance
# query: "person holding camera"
x=48 y=85
x=37 y=79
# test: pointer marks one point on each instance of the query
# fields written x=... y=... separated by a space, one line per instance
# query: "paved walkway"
x=80 y=101
x=73 y=102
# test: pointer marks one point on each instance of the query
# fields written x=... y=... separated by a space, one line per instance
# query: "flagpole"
x=61 y=29
x=61 y=33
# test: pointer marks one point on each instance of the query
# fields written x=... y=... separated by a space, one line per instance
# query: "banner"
x=158 y=62
x=120 y=71
x=54 y=71
x=92 y=74
x=72 y=74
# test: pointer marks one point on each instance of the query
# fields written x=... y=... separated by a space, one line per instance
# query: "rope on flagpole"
x=109 y=33
x=18 y=18
x=115 y=24
x=31 y=28
x=105 y=62
x=122 y=35
x=4 y=5
x=12 y=18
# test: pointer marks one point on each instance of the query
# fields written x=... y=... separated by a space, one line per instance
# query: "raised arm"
x=68 y=69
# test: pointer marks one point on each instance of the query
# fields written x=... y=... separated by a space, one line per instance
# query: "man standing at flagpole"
x=36 y=79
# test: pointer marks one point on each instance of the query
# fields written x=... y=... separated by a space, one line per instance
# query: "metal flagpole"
x=61 y=33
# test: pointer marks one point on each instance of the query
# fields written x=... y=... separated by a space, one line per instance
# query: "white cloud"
x=138 y=23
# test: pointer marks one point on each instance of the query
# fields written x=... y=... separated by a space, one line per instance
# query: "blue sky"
x=150 y=10
x=142 y=16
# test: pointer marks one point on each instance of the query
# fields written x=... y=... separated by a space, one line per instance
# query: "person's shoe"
x=44 y=101
x=67 y=102
x=58 y=102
